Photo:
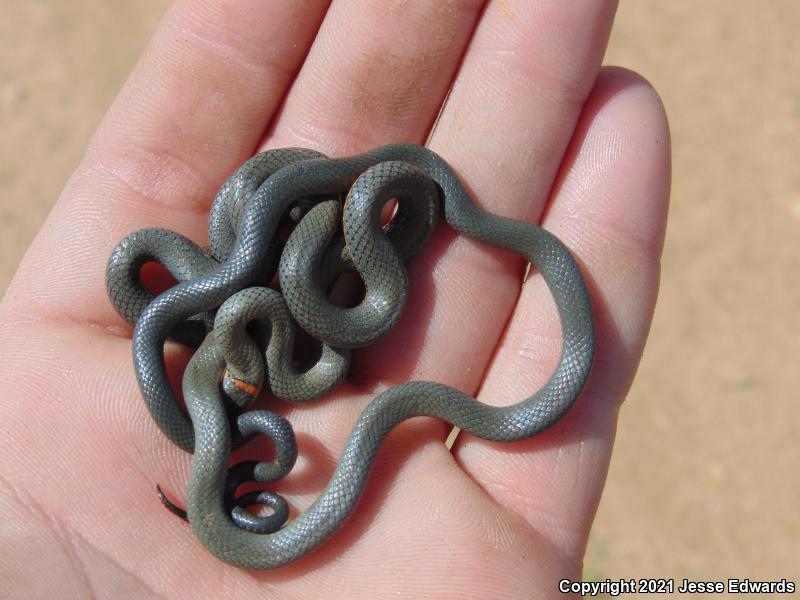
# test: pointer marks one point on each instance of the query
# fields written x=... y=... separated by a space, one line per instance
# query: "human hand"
x=535 y=132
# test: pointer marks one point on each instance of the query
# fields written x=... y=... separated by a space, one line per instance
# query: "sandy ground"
x=705 y=478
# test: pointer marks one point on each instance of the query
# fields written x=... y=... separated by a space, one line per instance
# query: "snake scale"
x=245 y=330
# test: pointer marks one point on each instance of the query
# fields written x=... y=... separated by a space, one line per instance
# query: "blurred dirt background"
x=705 y=479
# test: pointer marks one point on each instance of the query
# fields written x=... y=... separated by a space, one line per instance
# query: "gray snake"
x=221 y=291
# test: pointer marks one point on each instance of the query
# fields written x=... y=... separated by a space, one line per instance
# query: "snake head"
x=239 y=391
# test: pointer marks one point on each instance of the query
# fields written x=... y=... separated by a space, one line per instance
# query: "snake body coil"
x=300 y=185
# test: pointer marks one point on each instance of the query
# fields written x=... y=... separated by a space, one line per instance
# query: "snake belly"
x=309 y=184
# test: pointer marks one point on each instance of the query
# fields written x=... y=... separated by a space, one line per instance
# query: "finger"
x=377 y=73
x=504 y=129
x=194 y=107
x=610 y=209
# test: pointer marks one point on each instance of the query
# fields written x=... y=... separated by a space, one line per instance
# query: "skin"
x=537 y=131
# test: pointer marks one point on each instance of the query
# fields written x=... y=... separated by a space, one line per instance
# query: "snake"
x=224 y=289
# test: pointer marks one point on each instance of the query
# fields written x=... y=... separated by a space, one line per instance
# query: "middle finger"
x=377 y=72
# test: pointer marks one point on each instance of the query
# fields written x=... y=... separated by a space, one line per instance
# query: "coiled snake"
x=221 y=291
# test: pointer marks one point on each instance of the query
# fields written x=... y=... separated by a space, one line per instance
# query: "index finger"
x=195 y=106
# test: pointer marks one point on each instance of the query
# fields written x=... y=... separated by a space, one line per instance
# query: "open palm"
x=535 y=129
